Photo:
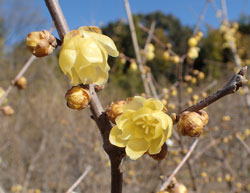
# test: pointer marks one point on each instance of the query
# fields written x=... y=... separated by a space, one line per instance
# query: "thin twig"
x=136 y=47
x=201 y=17
x=58 y=17
x=79 y=180
x=168 y=181
x=1 y=190
x=231 y=87
x=243 y=143
x=33 y=162
x=149 y=75
x=19 y=75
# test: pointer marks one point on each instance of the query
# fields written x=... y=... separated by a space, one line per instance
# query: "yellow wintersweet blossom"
x=84 y=54
x=142 y=127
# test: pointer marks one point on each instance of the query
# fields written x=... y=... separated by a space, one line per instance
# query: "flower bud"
x=192 y=123
x=166 y=55
x=133 y=66
x=175 y=59
x=162 y=154
x=77 y=98
x=187 y=78
x=150 y=55
x=114 y=110
x=189 y=90
x=21 y=83
x=201 y=75
x=195 y=72
x=179 y=188
x=193 y=80
x=7 y=110
x=41 y=43
x=192 y=42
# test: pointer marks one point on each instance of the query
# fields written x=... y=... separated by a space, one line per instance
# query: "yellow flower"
x=133 y=66
x=193 y=52
x=142 y=127
x=192 y=42
x=84 y=54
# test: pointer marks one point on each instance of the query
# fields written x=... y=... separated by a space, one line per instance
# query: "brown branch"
x=115 y=154
x=231 y=87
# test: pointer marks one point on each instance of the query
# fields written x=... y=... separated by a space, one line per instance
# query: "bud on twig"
x=21 y=83
x=192 y=123
x=77 y=98
x=7 y=110
x=178 y=188
x=41 y=43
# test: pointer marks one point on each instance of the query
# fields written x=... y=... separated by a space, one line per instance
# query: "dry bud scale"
x=41 y=43
x=114 y=110
x=84 y=54
x=142 y=128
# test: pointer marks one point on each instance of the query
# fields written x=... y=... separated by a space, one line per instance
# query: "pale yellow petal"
x=90 y=50
x=156 y=144
x=114 y=137
x=70 y=40
x=105 y=41
x=169 y=130
x=75 y=80
x=154 y=104
x=92 y=74
x=67 y=59
x=135 y=103
x=136 y=148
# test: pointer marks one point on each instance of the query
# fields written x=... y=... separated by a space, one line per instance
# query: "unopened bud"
x=133 y=66
x=175 y=59
x=77 y=98
x=179 y=188
x=162 y=154
x=114 y=110
x=188 y=78
x=192 y=123
x=21 y=83
x=192 y=42
x=41 y=43
x=7 y=110
x=201 y=75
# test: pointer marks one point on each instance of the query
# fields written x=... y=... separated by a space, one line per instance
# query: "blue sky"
x=98 y=12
